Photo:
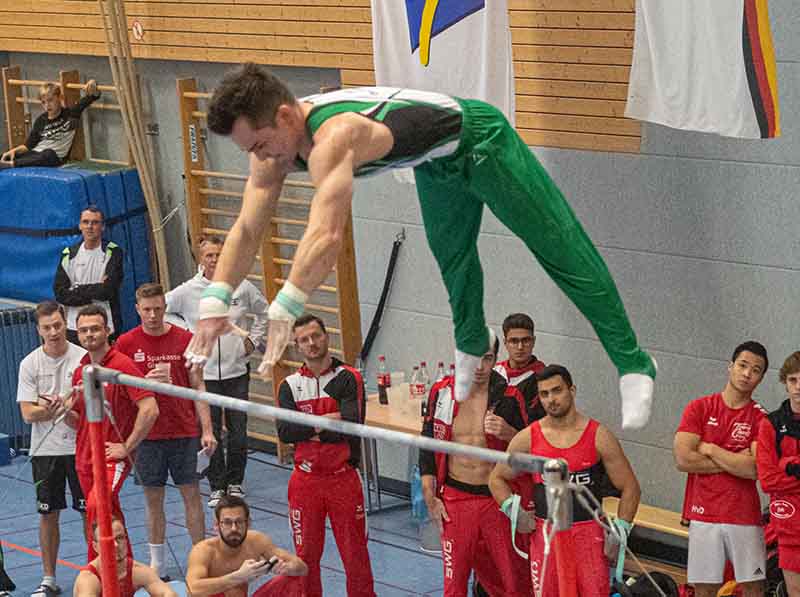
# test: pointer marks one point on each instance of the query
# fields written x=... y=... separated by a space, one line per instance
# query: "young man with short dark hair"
x=778 y=462
x=224 y=566
x=131 y=575
x=130 y=414
x=716 y=444
x=465 y=155
x=183 y=427
x=595 y=458
x=475 y=535
x=521 y=367
x=325 y=482
x=45 y=383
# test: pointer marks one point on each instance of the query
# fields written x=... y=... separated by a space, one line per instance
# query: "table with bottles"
x=397 y=407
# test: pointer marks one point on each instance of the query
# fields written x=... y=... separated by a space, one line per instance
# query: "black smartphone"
x=271 y=564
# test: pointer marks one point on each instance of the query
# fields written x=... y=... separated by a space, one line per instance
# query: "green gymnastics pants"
x=494 y=166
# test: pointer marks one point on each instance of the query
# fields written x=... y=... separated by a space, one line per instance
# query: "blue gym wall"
x=700 y=233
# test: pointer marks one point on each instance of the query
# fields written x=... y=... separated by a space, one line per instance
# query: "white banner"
x=457 y=47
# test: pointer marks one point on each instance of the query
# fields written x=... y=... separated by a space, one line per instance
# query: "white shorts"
x=712 y=543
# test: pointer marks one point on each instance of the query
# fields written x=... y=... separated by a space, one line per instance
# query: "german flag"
x=759 y=59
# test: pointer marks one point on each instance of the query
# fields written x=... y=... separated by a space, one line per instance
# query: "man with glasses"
x=90 y=272
x=325 y=481
x=224 y=566
x=521 y=367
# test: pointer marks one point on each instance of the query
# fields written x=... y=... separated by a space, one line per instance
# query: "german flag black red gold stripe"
x=759 y=59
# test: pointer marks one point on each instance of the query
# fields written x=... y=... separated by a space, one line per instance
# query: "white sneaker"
x=236 y=491
x=215 y=497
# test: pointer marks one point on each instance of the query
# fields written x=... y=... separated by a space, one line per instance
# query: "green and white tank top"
x=425 y=125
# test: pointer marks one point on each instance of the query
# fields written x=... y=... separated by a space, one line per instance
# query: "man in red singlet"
x=594 y=457
x=132 y=575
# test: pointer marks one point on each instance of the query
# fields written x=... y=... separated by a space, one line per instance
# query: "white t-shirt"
x=88 y=267
x=41 y=374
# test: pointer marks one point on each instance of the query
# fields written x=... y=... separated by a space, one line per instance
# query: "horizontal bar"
x=322 y=308
x=220 y=192
x=216 y=174
x=33 y=101
x=112 y=162
x=212 y=211
x=279 y=240
x=111 y=88
x=197 y=94
x=199 y=114
x=30 y=82
x=37 y=83
x=515 y=460
x=323 y=287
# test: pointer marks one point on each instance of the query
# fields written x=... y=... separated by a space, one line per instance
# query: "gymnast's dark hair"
x=756 y=348
x=553 y=371
x=231 y=501
x=250 y=91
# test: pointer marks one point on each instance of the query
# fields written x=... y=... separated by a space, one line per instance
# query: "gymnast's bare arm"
x=261 y=191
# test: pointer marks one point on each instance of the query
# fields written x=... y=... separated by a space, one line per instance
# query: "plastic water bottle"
x=424 y=378
x=384 y=380
x=440 y=372
x=414 y=383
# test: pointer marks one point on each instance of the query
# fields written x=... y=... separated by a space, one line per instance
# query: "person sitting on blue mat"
x=53 y=132
x=132 y=575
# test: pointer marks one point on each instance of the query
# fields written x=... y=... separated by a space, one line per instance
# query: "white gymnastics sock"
x=465 y=369
x=636 y=390
x=157 y=557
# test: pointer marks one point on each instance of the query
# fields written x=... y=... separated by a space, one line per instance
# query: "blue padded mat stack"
x=45 y=206
x=18 y=337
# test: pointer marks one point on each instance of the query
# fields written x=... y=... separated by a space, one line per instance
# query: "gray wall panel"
x=661 y=140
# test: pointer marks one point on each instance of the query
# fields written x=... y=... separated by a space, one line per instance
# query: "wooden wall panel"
x=571 y=57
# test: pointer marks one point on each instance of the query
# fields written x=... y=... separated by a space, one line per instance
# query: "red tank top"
x=125 y=584
x=585 y=468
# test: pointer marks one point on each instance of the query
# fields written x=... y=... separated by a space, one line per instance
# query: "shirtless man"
x=475 y=534
x=132 y=575
x=223 y=566
x=465 y=155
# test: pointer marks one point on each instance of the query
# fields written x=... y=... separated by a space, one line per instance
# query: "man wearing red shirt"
x=130 y=413
x=716 y=444
x=521 y=367
x=778 y=459
x=172 y=446
x=325 y=481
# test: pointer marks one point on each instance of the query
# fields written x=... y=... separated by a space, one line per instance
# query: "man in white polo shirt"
x=45 y=380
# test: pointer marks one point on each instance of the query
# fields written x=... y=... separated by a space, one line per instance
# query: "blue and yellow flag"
x=458 y=47
x=428 y=18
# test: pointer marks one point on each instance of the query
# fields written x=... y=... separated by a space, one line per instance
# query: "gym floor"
x=399 y=567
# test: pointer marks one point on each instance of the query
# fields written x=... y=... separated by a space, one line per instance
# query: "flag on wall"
x=457 y=47
x=705 y=66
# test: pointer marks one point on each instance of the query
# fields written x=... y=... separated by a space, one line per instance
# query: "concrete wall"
x=698 y=231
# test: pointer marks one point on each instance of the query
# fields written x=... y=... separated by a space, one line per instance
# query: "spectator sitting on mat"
x=53 y=132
